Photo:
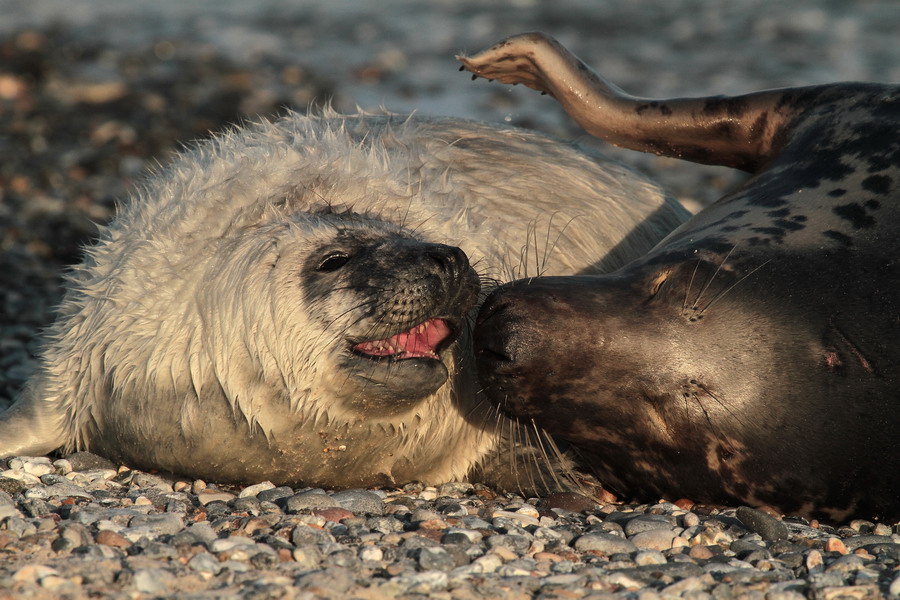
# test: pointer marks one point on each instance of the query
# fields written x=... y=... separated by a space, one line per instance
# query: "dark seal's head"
x=692 y=378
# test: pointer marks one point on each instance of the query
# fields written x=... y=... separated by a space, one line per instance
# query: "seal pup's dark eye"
x=333 y=262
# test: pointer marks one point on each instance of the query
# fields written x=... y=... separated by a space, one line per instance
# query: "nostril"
x=438 y=257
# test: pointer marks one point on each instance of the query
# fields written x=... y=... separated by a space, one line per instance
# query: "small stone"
x=308 y=501
x=33 y=573
x=230 y=543
x=504 y=553
x=66 y=490
x=521 y=519
x=435 y=559
x=63 y=466
x=485 y=564
x=360 y=502
x=152 y=581
x=861 y=541
x=335 y=515
x=433 y=524
x=648 y=523
x=429 y=493
x=654 y=539
x=814 y=561
x=34 y=465
x=161 y=524
x=26 y=478
x=111 y=538
x=204 y=563
x=701 y=552
x=370 y=553
x=307 y=557
x=304 y=535
x=649 y=557
x=454 y=510
x=71 y=536
x=547 y=556
x=685 y=504
x=690 y=519
x=515 y=543
x=605 y=543
x=86 y=461
x=254 y=490
x=757 y=521
x=455 y=535
x=834 y=544
x=150 y=481
x=11 y=486
x=206 y=496
x=275 y=494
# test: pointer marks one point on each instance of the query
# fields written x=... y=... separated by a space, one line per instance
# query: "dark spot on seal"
x=800 y=218
x=789 y=225
x=877 y=184
x=856 y=214
x=839 y=237
x=662 y=108
x=873 y=204
x=723 y=105
x=837 y=192
x=784 y=212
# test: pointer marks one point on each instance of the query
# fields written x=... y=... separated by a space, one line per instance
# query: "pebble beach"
x=96 y=93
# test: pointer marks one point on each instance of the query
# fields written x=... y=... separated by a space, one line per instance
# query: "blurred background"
x=95 y=92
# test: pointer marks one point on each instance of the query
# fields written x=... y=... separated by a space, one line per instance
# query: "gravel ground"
x=95 y=92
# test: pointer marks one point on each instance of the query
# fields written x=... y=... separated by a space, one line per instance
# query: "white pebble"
x=20 y=475
x=371 y=553
x=253 y=490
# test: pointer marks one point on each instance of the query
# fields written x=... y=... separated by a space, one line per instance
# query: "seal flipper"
x=31 y=426
x=740 y=131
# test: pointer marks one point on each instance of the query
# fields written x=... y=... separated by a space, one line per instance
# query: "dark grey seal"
x=752 y=356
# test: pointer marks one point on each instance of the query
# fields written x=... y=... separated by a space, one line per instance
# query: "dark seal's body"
x=752 y=356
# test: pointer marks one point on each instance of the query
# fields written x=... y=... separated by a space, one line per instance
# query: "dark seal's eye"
x=333 y=262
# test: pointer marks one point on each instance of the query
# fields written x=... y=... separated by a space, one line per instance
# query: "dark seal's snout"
x=521 y=331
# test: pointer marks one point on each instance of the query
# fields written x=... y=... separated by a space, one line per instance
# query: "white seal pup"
x=280 y=302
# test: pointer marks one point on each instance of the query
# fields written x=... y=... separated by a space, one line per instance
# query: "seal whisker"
x=710 y=279
x=720 y=402
x=539 y=434
x=722 y=294
x=687 y=291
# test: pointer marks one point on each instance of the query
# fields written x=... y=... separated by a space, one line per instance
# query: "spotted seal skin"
x=289 y=301
x=752 y=356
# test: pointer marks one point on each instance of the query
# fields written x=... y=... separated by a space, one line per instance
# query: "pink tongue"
x=418 y=342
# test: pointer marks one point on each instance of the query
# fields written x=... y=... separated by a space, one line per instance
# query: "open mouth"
x=422 y=341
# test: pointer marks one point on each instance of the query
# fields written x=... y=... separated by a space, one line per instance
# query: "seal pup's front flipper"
x=732 y=131
x=31 y=426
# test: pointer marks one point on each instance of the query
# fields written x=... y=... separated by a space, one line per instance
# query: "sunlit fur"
x=183 y=342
